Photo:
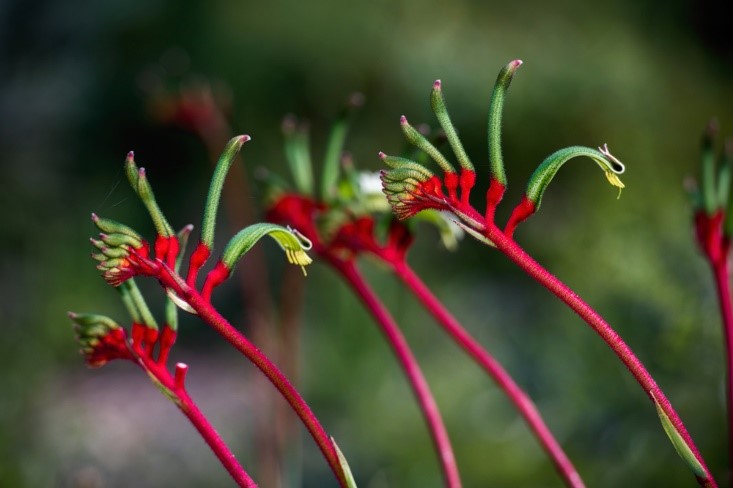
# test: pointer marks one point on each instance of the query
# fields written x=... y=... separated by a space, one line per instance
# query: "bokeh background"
x=81 y=83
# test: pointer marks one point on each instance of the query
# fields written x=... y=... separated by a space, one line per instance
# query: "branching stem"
x=213 y=318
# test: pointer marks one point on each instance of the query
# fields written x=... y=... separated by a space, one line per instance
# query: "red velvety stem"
x=215 y=442
x=516 y=395
x=211 y=316
x=412 y=369
x=722 y=282
x=514 y=252
x=189 y=408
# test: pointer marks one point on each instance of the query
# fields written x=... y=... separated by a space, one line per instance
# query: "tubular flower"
x=101 y=339
x=122 y=254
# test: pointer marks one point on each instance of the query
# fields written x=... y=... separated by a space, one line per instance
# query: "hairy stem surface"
x=722 y=286
x=215 y=442
x=211 y=316
x=504 y=381
x=535 y=270
x=408 y=362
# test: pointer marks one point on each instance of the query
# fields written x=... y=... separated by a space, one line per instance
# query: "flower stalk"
x=125 y=254
x=713 y=222
x=412 y=193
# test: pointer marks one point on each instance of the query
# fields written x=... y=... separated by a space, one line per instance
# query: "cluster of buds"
x=101 y=339
x=351 y=214
x=412 y=188
x=123 y=254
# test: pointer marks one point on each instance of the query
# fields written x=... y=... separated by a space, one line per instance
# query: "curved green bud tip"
x=91 y=329
x=441 y=112
x=415 y=138
x=145 y=191
x=708 y=185
x=496 y=111
x=404 y=163
x=109 y=226
x=217 y=183
x=335 y=147
x=290 y=240
x=350 y=482
x=544 y=173
x=678 y=442
x=131 y=170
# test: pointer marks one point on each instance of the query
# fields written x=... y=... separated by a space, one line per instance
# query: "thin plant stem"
x=215 y=442
x=408 y=362
x=212 y=317
x=722 y=286
x=176 y=391
x=504 y=381
x=535 y=270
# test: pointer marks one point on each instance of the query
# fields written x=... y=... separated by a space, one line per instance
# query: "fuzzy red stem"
x=535 y=270
x=211 y=316
x=408 y=362
x=516 y=395
x=189 y=408
x=722 y=286
x=221 y=450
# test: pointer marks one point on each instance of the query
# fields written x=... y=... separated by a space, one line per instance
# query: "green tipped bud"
x=707 y=179
x=298 y=155
x=120 y=240
x=441 y=112
x=291 y=241
x=335 y=147
x=141 y=186
x=93 y=321
x=679 y=442
x=726 y=162
x=415 y=138
x=131 y=170
x=109 y=226
x=217 y=183
x=399 y=163
x=145 y=191
x=544 y=173
x=496 y=110
x=114 y=253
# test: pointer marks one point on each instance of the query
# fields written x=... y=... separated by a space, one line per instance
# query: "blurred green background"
x=76 y=82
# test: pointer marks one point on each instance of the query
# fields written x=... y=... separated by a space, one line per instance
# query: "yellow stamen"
x=615 y=181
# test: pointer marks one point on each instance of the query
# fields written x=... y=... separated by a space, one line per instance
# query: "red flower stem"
x=212 y=438
x=211 y=316
x=535 y=270
x=408 y=362
x=722 y=286
x=516 y=395
x=177 y=391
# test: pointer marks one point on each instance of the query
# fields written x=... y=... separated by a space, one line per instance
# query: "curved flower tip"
x=292 y=242
x=101 y=339
x=612 y=172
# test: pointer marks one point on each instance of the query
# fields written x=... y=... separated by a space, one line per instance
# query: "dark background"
x=77 y=83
